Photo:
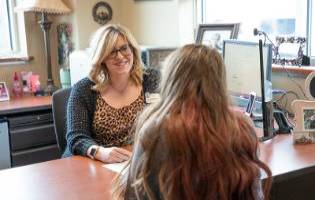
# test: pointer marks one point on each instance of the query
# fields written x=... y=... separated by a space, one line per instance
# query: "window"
x=13 y=38
x=5 y=42
x=276 y=18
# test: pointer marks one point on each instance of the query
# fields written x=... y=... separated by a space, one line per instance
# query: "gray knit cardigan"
x=81 y=108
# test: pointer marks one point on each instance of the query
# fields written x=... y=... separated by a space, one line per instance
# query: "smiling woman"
x=103 y=107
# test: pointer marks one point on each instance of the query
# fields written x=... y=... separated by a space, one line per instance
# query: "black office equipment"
x=283 y=124
x=267 y=105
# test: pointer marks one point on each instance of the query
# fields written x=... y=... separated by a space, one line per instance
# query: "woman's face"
x=120 y=60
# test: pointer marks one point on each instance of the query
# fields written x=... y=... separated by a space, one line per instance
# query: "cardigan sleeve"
x=79 y=121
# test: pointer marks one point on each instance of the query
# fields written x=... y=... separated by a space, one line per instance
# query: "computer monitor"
x=242 y=63
x=244 y=77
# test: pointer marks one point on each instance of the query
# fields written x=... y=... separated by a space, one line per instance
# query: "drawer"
x=32 y=136
x=35 y=155
x=27 y=119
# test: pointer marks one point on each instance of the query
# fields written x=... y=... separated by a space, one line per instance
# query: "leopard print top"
x=111 y=126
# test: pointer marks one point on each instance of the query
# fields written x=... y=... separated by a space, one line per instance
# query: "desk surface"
x=70 y=178
x=284 y=157
x=82 y=178
x=23 y=104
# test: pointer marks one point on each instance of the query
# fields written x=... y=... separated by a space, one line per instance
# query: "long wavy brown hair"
x=209 y=151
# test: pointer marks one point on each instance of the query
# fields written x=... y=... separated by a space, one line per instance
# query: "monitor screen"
x=242 y=61
x=244 y=78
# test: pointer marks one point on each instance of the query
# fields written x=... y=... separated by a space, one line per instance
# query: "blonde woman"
x=191 y=145
x=102 y=107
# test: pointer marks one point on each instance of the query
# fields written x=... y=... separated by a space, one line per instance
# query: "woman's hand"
x=112 y=154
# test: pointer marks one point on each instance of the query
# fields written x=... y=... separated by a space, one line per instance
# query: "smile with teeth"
x=122 y=63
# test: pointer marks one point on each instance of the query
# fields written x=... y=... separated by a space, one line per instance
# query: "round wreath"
x=102 y=12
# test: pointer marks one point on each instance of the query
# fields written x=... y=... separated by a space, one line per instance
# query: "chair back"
x=59 y=109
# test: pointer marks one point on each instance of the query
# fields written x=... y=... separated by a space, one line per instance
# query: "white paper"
x=116 y=167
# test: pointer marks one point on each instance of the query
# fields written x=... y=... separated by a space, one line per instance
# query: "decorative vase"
x=65 y=78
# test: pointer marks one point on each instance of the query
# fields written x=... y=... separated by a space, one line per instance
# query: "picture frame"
x=304 y=116
x=4 y=93
x=213 y=34
x=289 y=50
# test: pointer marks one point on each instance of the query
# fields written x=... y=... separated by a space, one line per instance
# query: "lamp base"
x=50 y=88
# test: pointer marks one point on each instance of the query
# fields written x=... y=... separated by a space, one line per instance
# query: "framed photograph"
x=304 y=115
x=214 y=34
x=4 y=93
x=309 y=119
x=289 y=50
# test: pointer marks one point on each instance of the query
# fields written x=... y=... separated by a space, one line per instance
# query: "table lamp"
x=45 y=7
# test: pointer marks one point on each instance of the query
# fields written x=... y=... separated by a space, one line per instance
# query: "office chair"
x=59 y=109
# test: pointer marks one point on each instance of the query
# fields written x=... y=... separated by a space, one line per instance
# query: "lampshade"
x=45 y=6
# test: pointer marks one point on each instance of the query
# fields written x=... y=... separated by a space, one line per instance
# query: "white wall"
x=157 y=23
x=152 y=22
x=83 y=23
x=289 y=82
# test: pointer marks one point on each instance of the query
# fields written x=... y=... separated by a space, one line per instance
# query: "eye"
x=114 y=52
x=124 y=48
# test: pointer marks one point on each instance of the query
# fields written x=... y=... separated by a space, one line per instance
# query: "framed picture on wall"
x=4 y=93
x=213 y=34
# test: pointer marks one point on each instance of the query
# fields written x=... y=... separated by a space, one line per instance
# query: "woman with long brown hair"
x=191 y=144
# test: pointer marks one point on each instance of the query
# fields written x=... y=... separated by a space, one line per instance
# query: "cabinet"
x=31 y=130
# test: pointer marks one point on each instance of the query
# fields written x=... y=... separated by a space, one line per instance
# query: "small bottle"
x=16 y=90
x=25 y=89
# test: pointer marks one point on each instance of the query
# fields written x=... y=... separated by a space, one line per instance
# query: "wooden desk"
x=286 y=158
x=82 y=178
x=32 y=133
x=70 y=178
x=24 y=104
x=292 y=166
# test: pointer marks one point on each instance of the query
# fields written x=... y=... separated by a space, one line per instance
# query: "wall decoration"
x=214 y=34
x=4 y=93
x=289 y=50
x=102 y=12
x=65 y=45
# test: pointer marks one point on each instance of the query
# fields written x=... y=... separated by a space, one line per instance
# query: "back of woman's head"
x=195 y=74
x=102 y=44
x=211 y=151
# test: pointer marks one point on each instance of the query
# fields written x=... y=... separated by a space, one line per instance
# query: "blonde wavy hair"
x=102 y=44
x=211 y=151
